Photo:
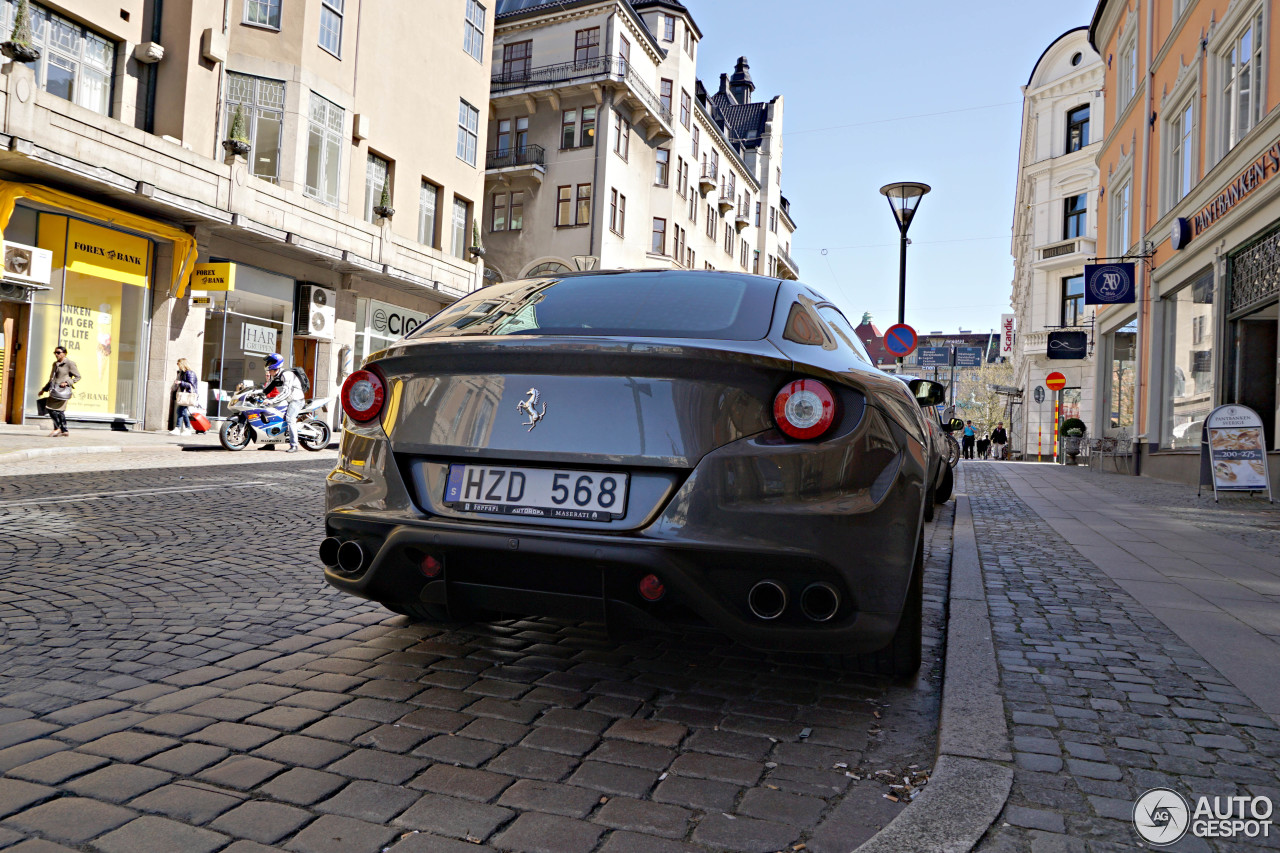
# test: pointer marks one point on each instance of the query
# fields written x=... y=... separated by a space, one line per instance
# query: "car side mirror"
x=927 y=393
x=954 y=424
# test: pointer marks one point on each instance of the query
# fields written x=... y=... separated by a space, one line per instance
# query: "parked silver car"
x=649 y=449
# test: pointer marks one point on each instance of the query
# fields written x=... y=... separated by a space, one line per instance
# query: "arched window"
x=548 y=268
x=1077 y=128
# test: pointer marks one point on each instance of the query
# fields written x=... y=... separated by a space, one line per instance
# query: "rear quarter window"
x=674 y=304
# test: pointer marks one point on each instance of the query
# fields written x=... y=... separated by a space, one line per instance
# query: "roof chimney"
x=724 y=87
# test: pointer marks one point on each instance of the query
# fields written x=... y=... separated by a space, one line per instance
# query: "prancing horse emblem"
x=529 y=406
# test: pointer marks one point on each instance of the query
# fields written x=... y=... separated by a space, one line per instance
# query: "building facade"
x=217 y=180
x=1188 y=171
x=1055 y=225
x=606 y=151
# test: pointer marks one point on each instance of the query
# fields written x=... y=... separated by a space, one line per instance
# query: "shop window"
x=261 y=102
x=324 y=149
x=1121 y=377
x=96 y=307
x=242 y=328
x=1188 y=347
x=76 y=63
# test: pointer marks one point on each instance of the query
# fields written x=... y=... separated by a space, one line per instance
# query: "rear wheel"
x=233 y=435
x=902 y=656
x=943 y=493
x=314 y=434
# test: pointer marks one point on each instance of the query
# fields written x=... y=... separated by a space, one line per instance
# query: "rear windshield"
x=674 y=304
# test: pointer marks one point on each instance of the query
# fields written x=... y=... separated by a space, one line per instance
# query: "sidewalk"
x=17 y=443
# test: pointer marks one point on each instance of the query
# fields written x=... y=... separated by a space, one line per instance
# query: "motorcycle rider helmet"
x=275 y=361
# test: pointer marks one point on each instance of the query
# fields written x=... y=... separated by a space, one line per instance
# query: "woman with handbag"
x=185 y=398
x=62 y=378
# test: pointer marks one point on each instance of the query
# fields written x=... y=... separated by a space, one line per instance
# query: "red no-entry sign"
x=1056 y=381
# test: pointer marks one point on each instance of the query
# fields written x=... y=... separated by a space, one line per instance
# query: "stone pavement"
x=175 y=675
x=1105 y=698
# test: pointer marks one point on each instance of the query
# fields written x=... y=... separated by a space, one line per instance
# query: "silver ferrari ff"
x=653 y=450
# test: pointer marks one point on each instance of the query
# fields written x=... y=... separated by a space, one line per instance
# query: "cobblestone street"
x=177 y=676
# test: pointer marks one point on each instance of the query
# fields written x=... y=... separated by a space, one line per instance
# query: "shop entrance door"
x=13 y=318
x=1255 y=353
x=304 y=356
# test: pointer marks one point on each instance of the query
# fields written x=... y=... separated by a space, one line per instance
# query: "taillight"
x=805 y=408
x=362 y=396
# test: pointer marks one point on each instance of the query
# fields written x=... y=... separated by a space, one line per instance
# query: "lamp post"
x=904 y=197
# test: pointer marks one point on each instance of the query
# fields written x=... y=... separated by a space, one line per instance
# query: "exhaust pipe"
x=329 y=551
x=350 y=557
x=767 y=599
x=819 y=601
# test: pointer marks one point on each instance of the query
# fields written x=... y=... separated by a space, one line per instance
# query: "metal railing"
x=614 y=66
x=501 y=158
x=710 y=173
x=785 y=258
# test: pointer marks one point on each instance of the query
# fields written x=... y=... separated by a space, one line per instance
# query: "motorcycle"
x=256 y=420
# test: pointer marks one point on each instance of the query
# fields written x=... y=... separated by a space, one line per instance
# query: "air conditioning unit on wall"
x=315 y=312
x=27 y=263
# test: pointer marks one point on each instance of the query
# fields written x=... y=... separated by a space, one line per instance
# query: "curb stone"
x=40 y=453
x=971 y=780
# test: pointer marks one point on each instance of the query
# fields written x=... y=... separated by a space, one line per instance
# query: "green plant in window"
x=477 y=250
x=383 y=208
x=19 y=47
x=237 y=141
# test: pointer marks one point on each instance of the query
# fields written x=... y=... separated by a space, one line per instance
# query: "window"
x=587 y=130
x=574 y=134
x=1180 y=142
x=1242 y=76
x=1180 y=6
x=76 y=64
x=473 y=31
x=688 y=41
x=461 y=215
x=513 y=135
x=659 y=236
x=331 y=26
x=261 y=102
x=584 y=204
x=1074 y=212
x=624 y=51
x=1198 y=329
x=1072 y=300
x=516 y=222
x=758 y=204
x=696 y=136
x=264 y=13
x=375 y=180
x=1077 y=128
x=686 y=108
x=711 y=222
x=728 y=240
x=568 y=128
x=755 y=263
x=773 y=219
x=564 y=206
x=682 y=178
x=668 y=27
x=324 y=149
x=691 y=258
x=428 y=199
x=693 y=208
x=586 y=45
x=1118 y=237
x=745 y=248
x=517 y=58
x=663 y=166
x=1188 y=357
x=617 y=213
x=665 y=88
x=468 y=132
x=715 y=163
x=621 y=136
x=1127 y=69
x=498 y=221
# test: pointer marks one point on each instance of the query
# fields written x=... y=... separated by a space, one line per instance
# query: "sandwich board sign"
x=1232 y=453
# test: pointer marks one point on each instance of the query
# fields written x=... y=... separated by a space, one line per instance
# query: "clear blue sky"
x=877 y=92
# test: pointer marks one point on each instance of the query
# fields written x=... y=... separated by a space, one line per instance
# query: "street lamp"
x=904 y=197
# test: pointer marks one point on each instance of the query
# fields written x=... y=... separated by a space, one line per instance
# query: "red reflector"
x=431 y=567
x=651 y=589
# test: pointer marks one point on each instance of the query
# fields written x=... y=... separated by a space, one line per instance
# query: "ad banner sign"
x=1108 y=284
x=1063 y=343
x=1232 y=452
x=1006 y=336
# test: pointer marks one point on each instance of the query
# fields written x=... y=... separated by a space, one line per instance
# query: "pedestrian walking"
x=999 y=440
x=969 y=437
x=186 y=397
x=62 y=378
x=984 y=447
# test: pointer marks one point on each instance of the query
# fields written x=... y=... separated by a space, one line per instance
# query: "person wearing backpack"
x=284 y=388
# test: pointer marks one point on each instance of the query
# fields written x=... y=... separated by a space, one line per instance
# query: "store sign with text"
x=392 y=321
x=260 y=340
x=1108 y=284
x=1254 y=175
x=220 y=277
x=1233 y=453
x=1006 y=336
x=104 y=253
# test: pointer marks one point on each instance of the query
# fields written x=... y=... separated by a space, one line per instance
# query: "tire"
x=943 y=493
x=902 y=656
x=953 y=450
x=315 y=442
x=233 y=436
x=419 y=612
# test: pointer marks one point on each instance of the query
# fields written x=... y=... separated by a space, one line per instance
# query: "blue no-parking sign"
x=900 y=339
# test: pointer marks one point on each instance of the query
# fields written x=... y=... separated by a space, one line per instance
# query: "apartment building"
x=606 y=151
x=1189 y=192
x=1055 y=224
x=219 y=179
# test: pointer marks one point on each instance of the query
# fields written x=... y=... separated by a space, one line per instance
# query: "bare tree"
x=977 y=402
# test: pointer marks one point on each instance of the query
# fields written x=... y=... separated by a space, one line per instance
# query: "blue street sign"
x=900 y=339
x=934 y=356
x=968 y=356
x=1108 y=284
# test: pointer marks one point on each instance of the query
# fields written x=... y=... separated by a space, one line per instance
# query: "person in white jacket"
x=283 y=388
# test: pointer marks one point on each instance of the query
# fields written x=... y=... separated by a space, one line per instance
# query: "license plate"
x=537 y=492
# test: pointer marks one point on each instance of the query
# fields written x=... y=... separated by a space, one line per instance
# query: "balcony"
x=743 y=218
x=787 y=268
x=587 y=75
x=508 y=164
x=707 y=182
x=1065 y=253
x=727 y=203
